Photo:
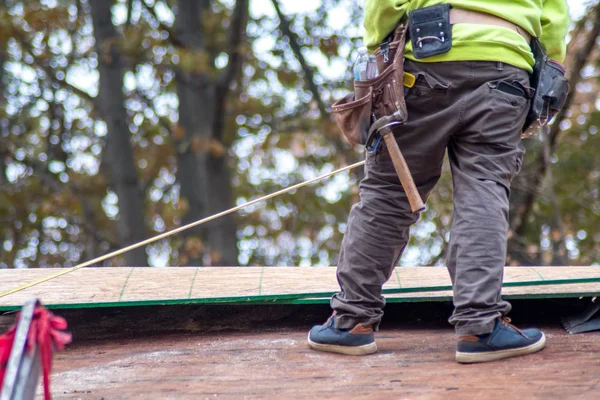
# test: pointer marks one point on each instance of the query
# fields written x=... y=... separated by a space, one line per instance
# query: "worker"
x=471 y=98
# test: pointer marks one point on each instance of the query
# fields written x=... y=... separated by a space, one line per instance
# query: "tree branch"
x=579 y=61
x=3 y=145
x=237 y=35
x=3 y=167
x=129 y=12
x=559 y=250
x=20 y=37
x=581 y=58
x=172 y=36
x=296 y=49
x=40 y=170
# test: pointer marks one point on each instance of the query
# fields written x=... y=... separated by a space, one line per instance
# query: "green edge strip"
x=310 y=298
x=259 y=301
x=192 y=284
x=125 y=284
x=398 y=277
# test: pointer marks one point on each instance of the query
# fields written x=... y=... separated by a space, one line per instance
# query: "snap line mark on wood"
x=192 y=284
x=125 y=284
x=398 y=277
x=538 y=274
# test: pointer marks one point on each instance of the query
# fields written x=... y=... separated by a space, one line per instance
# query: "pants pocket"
x=511 y=90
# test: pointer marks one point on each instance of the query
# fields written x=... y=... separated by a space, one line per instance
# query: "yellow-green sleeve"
x=381 y=18
x=555 y=24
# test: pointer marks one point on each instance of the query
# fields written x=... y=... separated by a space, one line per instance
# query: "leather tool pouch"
x=551 y=89
x=374 y=98
x=430 y=31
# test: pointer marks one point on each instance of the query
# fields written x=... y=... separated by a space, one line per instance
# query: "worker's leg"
x=484 y=158
x=378 y=226
x=376 y=235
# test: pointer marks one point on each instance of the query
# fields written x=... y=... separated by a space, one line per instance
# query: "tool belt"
x=430 y=31
x=378 y=97
x=430 y=28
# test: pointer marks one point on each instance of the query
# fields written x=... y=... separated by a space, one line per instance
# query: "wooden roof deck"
x=167 y=346
x=100 y=287
x=410 y=364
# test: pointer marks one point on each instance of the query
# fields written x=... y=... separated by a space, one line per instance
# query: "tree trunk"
x=118 y=153
x=222 y=239
x=202 y=171
x=3 y=135
x=195 y=123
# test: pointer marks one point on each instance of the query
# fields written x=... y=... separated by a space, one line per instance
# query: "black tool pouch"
x=551 y=89
x=430 y=30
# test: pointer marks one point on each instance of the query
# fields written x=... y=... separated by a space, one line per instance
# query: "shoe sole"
x=347 y=350
x=469 y=358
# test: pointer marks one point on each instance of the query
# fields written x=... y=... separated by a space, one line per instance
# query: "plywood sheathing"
x=106 y=286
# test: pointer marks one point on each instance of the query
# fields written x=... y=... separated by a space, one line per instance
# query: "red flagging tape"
x=6 y=343
x=47 y=332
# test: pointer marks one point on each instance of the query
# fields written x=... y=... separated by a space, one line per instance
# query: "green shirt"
x=545 y=19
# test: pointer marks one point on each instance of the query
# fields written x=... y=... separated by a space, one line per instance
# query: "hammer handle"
x=406 y=179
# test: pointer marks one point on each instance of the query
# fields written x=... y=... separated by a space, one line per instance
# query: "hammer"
x=381 y=128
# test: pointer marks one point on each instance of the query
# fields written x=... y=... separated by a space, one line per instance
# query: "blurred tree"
x=123 y=119
x=555 y=198
x=3 y=135
x=203 y=169
x=118 y=160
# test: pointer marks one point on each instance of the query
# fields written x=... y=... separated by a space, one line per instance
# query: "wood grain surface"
x=105 y=286
x=410 y=364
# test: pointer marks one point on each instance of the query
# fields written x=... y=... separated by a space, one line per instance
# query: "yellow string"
x=178 y=230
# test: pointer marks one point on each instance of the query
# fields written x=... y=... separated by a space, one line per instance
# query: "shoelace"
x=506 y=322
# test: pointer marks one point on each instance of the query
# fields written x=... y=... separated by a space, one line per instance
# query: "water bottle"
x=372 y=70
x=360 y=66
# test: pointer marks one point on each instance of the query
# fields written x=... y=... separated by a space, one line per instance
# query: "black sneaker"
x=357 y=341
x=505 y=341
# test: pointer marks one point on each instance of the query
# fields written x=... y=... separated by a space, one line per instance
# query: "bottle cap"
x=363 y=50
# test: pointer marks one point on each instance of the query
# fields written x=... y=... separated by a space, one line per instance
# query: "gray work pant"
x=458 y=107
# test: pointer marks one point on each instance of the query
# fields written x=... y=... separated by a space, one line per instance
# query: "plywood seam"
x=260 y=281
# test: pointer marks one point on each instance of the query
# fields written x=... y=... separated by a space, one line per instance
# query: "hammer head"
x=381 y=127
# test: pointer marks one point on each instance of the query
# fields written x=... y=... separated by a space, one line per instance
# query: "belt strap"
x=460 y=16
